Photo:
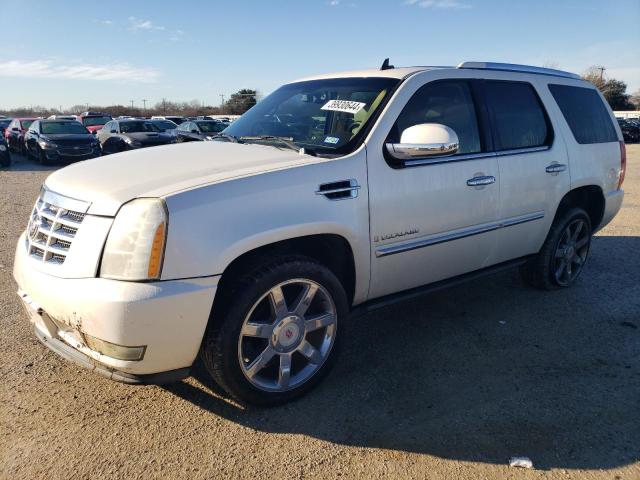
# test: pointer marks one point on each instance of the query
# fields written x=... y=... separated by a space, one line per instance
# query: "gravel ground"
x=448 y=386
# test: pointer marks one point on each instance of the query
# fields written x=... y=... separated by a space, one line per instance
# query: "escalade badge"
x=389 y=236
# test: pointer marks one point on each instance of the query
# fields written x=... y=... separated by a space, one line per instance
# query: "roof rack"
x=512 y=67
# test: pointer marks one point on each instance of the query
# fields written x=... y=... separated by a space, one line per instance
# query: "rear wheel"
x=564 y=253
x=278 y=336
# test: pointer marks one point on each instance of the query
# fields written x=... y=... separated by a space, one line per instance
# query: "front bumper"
x=168 y=317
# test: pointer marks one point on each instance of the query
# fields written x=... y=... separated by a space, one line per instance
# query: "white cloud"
x=438 y=4
x=334 y=3
x=139 y=24
x=106 y=22
x=119 y=72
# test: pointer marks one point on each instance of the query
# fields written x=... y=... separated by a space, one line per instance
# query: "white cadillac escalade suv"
x=334 y=192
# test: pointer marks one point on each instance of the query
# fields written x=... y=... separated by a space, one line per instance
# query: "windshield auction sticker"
x=344 y=106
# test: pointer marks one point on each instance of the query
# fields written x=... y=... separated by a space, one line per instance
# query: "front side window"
x=321 y=115
x=585 y=113
x=518 y=118
x=448 y=103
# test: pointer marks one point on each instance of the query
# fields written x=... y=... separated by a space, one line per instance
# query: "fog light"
x=112 y=350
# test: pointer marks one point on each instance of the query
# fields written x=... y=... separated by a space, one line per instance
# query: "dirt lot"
x=448 y=386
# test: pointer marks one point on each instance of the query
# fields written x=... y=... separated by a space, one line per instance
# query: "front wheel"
x=564 y=253
x=276 y=335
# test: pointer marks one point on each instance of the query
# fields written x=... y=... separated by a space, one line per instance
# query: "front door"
x=432 y=219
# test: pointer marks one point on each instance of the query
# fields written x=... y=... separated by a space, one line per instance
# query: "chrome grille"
x=51 y=231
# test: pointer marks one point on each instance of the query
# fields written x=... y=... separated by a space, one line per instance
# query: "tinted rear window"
x=519 y=120
x=585 y=113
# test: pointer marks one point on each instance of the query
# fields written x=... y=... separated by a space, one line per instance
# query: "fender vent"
x=340 y=190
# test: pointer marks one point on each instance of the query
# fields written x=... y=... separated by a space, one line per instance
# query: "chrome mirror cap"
x=424 y=140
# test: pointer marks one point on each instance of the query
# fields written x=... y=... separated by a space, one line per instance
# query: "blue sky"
x=104 y=52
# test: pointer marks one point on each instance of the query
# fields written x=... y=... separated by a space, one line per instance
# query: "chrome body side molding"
x=456 y=235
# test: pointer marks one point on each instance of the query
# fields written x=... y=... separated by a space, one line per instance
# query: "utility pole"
x=87 y=107
x=222 y=103
x=164 y=106
x=144 y=104
x=602 y=69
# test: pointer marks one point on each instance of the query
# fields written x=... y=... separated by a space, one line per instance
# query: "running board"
x=377 y=303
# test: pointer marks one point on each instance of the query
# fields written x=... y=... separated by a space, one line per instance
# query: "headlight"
x=135 y=245
x=133 y=143
x=2 y=148
x=47 y=145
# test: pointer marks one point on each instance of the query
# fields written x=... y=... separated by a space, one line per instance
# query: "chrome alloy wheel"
x=287 y=335
x=571 y=252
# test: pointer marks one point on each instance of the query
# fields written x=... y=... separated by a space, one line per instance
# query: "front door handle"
x=556 y=168
x=481 y=181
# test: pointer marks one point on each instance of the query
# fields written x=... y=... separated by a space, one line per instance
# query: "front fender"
x=211 y=226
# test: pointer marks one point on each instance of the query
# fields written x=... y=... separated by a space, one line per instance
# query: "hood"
x=69 y=137
x=149 y=137
x=108 y=182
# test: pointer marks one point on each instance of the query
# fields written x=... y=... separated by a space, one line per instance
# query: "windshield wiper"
x=287 y=141
x=231 y=138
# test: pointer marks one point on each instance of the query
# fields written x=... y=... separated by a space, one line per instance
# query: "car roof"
x=399 y=73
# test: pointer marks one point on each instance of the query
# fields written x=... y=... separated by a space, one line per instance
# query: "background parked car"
x=94 y=121
x=14 y=133
x=5 y=155
x=62 y=117
x=198 y=130
x=4 y=123
x=174 y=118
x=630 y=130
x=121 y=135
x=164 y=125
x=60 y=140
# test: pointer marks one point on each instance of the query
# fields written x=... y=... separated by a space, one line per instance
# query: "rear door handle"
x=556 y=168
x=481 y=181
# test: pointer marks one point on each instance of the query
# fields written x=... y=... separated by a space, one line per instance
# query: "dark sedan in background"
x=4 y=123
x=14 y=133
x=5 y=155
x=60 y=141
x=120 y=135
x=198 y=130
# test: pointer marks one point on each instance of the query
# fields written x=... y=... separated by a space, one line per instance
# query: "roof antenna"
x=385 y=65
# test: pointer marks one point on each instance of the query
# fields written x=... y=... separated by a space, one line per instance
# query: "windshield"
x=318 y=114
x=26 y=123
x=55 y=128
x=4 y=123
x=164 y=125
x=136 y=127
x=211 y=127
x=92 y=121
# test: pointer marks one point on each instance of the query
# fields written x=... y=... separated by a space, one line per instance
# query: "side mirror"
x=424 y=140
x=113 y=131
x=15 y=129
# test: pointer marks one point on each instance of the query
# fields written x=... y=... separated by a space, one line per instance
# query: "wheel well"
x=590 y=198
x=333 y=251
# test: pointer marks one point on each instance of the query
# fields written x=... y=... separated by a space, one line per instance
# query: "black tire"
x=41 y=157
x=7 y=162
x=541 y=271
x=220 y=347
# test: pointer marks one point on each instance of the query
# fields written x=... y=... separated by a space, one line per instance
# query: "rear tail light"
x=623 y=163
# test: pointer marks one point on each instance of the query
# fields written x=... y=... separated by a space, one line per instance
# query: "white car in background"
x=336 y=192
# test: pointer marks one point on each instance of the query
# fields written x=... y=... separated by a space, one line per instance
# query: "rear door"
x=534 y=171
